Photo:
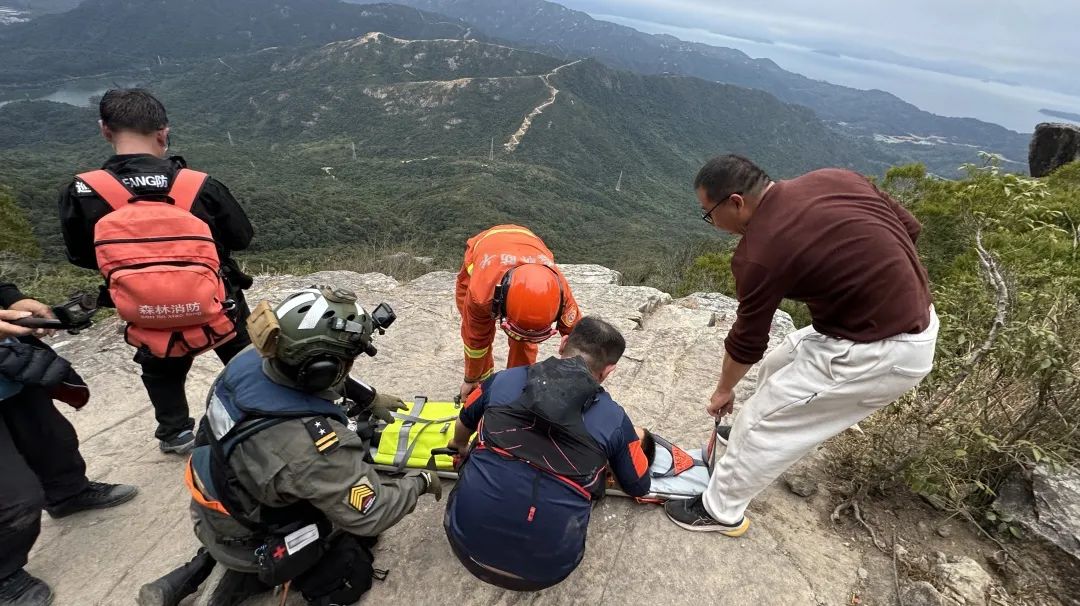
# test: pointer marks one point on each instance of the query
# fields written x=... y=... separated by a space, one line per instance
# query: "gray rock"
x=922 y=594
x=800 y=483
x=963 y=581
x=863 y=574
x=590 y=274
x=923 y=527
x=1052 y=146
x=944 y=532
x=1047 y=505
x=665 y=378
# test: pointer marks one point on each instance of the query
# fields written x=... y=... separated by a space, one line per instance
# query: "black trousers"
x=40 y=465
x=164 y=378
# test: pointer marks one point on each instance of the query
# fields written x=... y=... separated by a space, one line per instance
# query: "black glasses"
x=707 y=217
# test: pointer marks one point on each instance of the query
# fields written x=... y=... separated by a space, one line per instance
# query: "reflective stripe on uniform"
x=476 y=353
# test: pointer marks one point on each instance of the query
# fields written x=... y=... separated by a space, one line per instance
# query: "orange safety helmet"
x=528 y=301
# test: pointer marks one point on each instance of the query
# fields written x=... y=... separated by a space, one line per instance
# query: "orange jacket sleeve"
x=477 y=333
x=461 y=288
x=570 y=312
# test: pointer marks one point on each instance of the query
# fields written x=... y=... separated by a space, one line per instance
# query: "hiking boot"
x=180 y=444
x=96 y=495
x=22 y=589
x=692 y=515
x=178 y=584
x=235 y=588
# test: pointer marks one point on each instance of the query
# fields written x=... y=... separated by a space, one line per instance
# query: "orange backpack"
x=161 y=266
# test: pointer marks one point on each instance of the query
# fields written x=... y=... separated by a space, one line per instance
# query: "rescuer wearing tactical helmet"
x=279 y=463
x=509 y=279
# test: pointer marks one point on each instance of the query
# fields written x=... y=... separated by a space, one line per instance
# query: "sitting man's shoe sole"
x=152 y=595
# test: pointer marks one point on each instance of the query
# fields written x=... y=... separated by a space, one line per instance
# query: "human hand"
x=459 y=453
x=432 y=484
x=467 y=388
x=11 y=330
x=384 y=404
x=36 y=309
x=721 y=403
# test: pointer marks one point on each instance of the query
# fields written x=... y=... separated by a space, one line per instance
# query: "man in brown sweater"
x=834 y=241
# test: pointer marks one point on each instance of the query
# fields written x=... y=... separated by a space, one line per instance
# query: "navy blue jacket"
x=513 y=517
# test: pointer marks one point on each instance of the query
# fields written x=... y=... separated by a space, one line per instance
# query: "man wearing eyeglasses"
x=509 y=279
x=834 y=241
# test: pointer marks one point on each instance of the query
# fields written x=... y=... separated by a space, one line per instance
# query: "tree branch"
x=992 y=274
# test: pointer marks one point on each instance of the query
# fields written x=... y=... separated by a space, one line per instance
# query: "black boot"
x=178 y=584
x=22 y=589
x=236 y=587
x=95 y=496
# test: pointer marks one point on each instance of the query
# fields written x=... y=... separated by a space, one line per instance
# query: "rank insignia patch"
x=323 y=435
x=362 y=496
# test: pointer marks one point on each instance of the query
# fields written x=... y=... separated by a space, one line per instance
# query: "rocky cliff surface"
x=790 y=555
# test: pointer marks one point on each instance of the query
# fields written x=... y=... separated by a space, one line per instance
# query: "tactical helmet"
x=316 y=335
x=319 y=321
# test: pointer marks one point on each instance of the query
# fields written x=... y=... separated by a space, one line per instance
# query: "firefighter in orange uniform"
x=509 y=278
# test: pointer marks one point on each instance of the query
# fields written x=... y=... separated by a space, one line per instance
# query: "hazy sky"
x=1031 y=41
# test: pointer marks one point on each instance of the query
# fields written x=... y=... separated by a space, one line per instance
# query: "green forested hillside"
x=554 y=29
x=430 y=123
x=137 y=37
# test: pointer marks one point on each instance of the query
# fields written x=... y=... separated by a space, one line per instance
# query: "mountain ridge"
x=558 y=30
x=388 y=136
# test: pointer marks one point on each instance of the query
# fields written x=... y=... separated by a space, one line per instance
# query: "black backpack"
x=545 y=426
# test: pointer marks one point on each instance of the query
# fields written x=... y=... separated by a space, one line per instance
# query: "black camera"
x=75 y=315
x=383 y=317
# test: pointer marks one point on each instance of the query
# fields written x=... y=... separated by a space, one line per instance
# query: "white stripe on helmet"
x=318 y=308
x=299 y=299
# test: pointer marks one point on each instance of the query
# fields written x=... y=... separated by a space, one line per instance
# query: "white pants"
x=810 y=388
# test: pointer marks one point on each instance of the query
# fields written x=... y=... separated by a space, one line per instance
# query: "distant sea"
x=1012 y=106
x=10 y=15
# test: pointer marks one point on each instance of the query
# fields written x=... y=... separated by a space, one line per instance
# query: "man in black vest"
x=275 y=457
x=135 y=124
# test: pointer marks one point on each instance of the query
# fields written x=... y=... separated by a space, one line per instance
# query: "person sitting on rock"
x=276 y=467
x=509 y=279
x=546 y=435
x=40 y=463
x=833 y=240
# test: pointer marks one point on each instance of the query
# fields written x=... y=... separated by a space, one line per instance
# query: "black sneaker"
x=178 y=584
x=95 y=496
x=22 y=589
x=692 y=515
x=180 y=444
x=235 y=588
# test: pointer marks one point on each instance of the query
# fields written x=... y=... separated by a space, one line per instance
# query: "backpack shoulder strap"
x=223 y=477
x=186 y=187
x=108 y=186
